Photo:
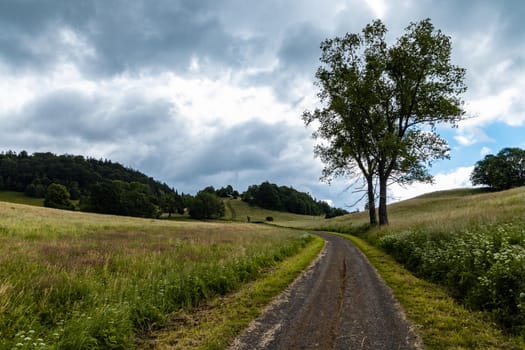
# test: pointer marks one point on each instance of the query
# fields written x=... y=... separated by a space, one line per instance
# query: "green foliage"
x=32 y=174
x=121 y=198
x=57 y=196
x=502 y=171
x=206 y=205
x=382 y=104
x=485 y=267
x=172 y=203
x=226 y=192
x=283 y=198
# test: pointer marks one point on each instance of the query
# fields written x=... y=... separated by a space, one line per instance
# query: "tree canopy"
x=102 y=186
x=283 y=198
x=206 y=205
x=57 y=197
x=502 y=171
x=381 y=106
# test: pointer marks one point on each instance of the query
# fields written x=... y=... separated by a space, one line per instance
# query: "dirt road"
x=338 y=303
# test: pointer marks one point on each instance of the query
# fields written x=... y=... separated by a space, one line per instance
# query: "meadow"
x=71 y=280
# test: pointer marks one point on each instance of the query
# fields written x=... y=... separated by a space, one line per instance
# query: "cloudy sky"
x=209 y=92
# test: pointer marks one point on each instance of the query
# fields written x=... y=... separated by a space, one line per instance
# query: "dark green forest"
x=103 y=186
x=283 y=198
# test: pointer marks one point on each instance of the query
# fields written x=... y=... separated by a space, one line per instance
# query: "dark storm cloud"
x=70 y=114
x=124 y=35
x=252 y=146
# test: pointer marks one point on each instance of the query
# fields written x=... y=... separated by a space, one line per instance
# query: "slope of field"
x=20 y=198
x=71 y=280
x=237 y=210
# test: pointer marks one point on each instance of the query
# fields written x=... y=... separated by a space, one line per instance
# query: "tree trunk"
x=383 y=215
x=371 y=202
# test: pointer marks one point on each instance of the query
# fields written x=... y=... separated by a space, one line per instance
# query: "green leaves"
x=378 y=97
x=502 y=171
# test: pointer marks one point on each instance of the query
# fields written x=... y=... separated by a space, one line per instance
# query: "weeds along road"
x=339 y=302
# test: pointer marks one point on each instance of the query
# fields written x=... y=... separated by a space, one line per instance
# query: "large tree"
x=502 y=171
x=381 y=106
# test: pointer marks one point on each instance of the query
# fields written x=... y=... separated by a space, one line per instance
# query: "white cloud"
x=457 y=178
x=484 y=151
x=470 y=135
x=378 y=7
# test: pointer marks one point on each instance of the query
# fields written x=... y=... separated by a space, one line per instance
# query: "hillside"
x=238 y=210
x=32 y=173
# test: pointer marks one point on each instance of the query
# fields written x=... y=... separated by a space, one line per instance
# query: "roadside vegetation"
x=73 y=280
x=469 y=241
x=438 y=319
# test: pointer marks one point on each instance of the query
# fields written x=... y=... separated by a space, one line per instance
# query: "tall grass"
x=83 y=281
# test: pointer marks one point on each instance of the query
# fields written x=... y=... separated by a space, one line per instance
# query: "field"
x=80 y=280
x=237 y=210
x=470 y=241
x=71 y=280
x=20 y=198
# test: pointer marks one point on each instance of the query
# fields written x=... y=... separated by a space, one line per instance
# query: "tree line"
x=100 y=186
x=107 y=187
x=283 y=198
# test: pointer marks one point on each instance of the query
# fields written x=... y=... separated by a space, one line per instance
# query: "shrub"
x=57 y=196
x=484 y=268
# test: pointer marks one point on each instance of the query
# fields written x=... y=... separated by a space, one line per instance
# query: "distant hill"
x=101 y=185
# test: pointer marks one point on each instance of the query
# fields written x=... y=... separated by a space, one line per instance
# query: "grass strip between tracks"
x=215 y=324
x=439 y=320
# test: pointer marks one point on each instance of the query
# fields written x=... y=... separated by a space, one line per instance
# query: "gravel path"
x=339 y=302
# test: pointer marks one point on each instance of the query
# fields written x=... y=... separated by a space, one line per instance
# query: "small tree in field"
x=382 y=105
x=57 y=196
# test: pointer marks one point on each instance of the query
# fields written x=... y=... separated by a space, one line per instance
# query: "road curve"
x=339 y=302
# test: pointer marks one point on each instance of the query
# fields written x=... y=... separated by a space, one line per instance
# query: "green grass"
x=71 y=280
x=237 y=210
x=215 y=324
x=20 y=198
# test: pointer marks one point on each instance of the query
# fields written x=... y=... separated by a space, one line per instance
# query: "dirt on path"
x=339 y=302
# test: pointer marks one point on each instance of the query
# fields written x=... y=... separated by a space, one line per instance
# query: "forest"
x=104 y=186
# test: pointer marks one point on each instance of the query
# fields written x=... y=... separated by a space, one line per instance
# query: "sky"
x=208 y=92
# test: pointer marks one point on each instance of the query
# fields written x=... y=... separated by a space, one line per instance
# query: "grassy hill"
x=443 y=211
x=20 y=198
x=237 y=210
x=111 y=278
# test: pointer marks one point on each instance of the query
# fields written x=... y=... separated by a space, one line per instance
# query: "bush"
x=57 y=196
x=485 y=268
x=269 y=218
